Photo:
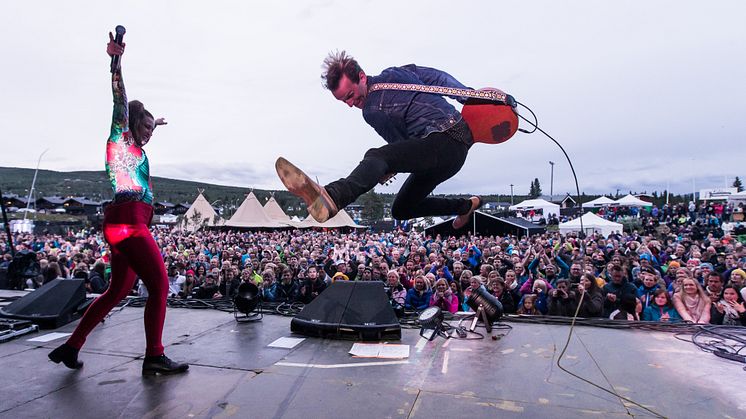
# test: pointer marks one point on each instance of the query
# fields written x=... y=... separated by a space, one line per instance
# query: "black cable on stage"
x=582 y=250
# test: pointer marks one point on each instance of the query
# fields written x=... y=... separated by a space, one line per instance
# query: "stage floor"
x=234 y=373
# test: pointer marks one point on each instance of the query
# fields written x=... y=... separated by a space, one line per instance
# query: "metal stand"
x=254 y=316
x=481 y=315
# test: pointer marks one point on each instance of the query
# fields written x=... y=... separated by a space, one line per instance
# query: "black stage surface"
x=235 y=374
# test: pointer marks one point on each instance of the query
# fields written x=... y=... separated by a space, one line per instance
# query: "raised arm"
x=120 y=117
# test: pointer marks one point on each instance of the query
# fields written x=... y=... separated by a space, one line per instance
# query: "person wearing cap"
x=704 y=269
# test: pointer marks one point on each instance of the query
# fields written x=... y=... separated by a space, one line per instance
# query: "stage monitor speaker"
x=349 y=310
x=53 y=305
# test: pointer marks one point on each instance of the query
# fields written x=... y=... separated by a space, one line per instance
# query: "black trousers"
x=431 y=161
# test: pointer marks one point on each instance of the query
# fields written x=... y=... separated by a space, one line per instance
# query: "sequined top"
x=126 y=163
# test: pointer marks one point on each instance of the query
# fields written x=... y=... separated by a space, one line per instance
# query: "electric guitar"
x=490 y=114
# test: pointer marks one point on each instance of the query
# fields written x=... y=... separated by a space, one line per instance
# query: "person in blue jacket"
x=418 y=297
x=661 y=309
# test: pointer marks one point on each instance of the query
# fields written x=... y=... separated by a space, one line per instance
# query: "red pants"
x=134 y=253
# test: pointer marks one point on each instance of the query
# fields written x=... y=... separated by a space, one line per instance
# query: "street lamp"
x=551 y=183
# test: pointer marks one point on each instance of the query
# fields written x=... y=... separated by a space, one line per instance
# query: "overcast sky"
x=640 y=94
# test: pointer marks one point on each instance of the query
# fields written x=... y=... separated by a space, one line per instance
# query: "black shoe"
x=153 y=365
x=67 y=355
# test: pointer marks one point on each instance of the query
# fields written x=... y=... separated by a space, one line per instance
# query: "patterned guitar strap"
x=446 y=91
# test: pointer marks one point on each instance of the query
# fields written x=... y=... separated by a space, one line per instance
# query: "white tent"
x=737 y=197
x=200 y=214
x=600 y=202
x=342 y=219
x=251 y=215
x=632 y=201
x=592 y=223
x=547 y=208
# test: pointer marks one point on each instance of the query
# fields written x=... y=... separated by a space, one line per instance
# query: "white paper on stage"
x=286 y=343
x=49 y=337
x=379 y=350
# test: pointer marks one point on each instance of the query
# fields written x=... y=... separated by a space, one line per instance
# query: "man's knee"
x=400 y=212
x=374 y=153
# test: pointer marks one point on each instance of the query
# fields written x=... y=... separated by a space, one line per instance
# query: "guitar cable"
x=613 y=391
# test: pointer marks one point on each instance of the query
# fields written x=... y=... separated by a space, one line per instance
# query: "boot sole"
x=299 y=184
x=150 y=373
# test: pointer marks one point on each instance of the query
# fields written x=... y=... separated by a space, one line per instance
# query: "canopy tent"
x=487 y=225
x=592 y=223
x=341 y=220
x=547 y=208
x=251 y=215
x=600 y=202
x=632 y=201
x=200 y=214
x=737 y=197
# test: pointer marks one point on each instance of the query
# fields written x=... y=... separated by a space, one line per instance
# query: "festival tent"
x=592 y=223
x=200 y=214
x=600 y=202
x=251 y=215
x=632 y=201
x=546 y=207
x=484 y=224
x=341 y=220
x=275 y=212
x=737 y=197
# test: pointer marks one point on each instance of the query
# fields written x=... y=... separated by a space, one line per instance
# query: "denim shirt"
x=400 y=115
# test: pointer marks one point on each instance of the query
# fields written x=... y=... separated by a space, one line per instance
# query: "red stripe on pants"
x=134 y=254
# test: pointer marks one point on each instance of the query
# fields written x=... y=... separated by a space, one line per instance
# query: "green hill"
x=95 y=185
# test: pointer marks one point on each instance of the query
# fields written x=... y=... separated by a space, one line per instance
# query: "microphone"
x=120 y=31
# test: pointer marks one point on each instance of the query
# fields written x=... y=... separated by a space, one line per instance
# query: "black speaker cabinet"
x=53 y=305
x=349 y=310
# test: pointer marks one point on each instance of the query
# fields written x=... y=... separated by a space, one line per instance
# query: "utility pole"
x=551 y=183
x=511 y=194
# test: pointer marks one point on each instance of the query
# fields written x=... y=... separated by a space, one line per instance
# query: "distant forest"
x=94 y=185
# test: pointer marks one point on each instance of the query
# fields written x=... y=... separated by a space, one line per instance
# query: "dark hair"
x=669 y=303
x=592 y=280
x=137 y=113
x=713 y=273
x=336 y=65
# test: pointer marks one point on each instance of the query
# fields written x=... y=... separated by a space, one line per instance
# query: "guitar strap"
x=442 y=90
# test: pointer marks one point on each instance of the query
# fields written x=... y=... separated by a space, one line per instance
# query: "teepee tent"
x=341 y=220
x=273 y=210
x=592 y=223
x=200 y=214
x=251 y=215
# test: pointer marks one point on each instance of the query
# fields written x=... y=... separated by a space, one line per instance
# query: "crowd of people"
x=679 y=266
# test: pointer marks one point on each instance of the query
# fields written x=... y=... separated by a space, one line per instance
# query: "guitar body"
x=490 y=122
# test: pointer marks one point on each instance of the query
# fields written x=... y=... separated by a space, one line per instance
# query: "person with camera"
x=562 y=300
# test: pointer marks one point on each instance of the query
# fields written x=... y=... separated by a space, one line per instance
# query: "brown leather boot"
x=318 y=202
x=461 y=220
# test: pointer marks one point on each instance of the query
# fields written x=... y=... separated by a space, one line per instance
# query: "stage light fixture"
x=431 y=319
x=246 y=302
x=487 y=307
